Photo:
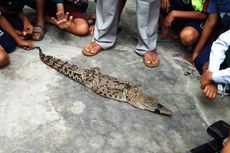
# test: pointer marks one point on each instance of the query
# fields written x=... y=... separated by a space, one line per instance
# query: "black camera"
x=219 y=131
x=82 y=5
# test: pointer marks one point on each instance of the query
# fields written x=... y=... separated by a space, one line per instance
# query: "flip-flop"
x=40 y=30
x=87 y=51
x=148 y=57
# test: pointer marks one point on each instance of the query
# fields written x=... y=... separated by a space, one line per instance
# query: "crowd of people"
x=201 y=25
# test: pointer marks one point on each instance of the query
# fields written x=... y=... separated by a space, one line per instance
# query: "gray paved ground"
x=41 y=111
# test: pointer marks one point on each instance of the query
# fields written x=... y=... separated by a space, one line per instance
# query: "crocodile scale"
x=105 y=85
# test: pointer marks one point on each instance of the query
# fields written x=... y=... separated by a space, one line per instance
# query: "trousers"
x=147 y=14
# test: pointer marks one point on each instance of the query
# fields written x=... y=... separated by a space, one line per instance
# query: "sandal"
x=91 y=49
x=151 y=59
x=38 y=30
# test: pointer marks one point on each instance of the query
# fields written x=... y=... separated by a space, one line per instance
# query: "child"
x=207 y=33
x=188 y=17
x=218 y=61
x=68 y=16
x=219 y=67
x=14 y=25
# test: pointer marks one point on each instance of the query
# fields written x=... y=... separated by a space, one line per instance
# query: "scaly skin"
x=105 y=85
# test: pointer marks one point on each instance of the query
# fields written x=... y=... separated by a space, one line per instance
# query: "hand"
x=169 y=19
x=205 y=79
x=20 y=34
x=226 y=148
x=210 y=90
x=26 y=44
x=165 y=4
x=28 y=28
x=63 y=20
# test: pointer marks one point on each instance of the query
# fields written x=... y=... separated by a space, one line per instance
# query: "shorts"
x=76 y=13
x=6 y=40
x=179 y=24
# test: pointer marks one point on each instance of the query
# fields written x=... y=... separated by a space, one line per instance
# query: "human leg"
x=121 y=7
x=147 y=23
x=191 y=32
x=202 y=59
x=39 y=28
x=92 y=19
x=40 y=7
x=7 y=43
x=6 y=40
x=167 y=34
x=40 y=21
x=105 y=28
x=189 y=36
x=4 y=58
x=78 y=27
x=107 y=23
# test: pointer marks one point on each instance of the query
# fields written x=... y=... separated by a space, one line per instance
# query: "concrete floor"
x=42 y=111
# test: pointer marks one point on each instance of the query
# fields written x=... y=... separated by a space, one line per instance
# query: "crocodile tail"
x=65 y=68
x=51 y=61
x=41 y=54
x=160 y=109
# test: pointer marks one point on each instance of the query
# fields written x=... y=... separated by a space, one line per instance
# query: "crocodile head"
x=140 y=100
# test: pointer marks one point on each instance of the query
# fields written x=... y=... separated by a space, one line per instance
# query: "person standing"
x=105 y=35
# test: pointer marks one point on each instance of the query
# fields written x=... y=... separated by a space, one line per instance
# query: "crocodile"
x=106 y=85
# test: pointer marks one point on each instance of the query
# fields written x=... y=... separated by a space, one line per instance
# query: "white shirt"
x=217 y=56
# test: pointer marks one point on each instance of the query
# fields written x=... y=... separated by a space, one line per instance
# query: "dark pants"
x=203 y=57
x=6 y=40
